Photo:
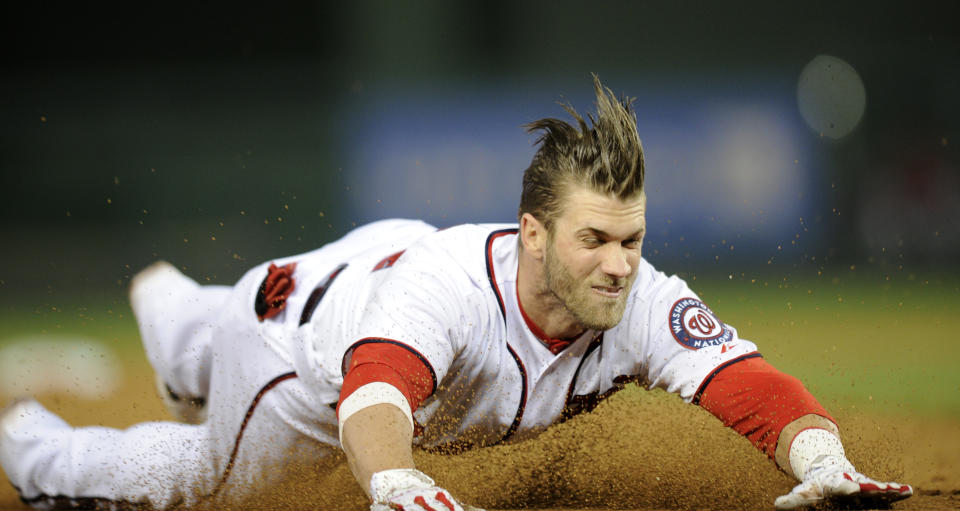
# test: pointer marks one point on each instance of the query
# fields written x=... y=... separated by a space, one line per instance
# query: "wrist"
x=815 y=446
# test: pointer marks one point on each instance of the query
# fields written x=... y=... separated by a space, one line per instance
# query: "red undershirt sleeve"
x=391 y=364
x=758 y=401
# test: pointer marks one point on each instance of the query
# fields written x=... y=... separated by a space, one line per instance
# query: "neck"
x=540 y=304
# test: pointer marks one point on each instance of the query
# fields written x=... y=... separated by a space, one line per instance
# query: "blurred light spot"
x=831 y=96
x=38 y=365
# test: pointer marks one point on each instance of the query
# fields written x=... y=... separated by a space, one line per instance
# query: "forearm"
x=377 y=438
x=384 y=385
x=790 y=431
x=765 y=405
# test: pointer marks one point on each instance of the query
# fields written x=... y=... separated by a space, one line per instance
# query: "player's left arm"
x=781 y=418
x=689 y=351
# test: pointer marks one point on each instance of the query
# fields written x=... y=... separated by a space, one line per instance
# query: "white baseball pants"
x=204 y=341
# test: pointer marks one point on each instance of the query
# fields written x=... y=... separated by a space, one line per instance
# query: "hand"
x=407 y=489
x=833 y=479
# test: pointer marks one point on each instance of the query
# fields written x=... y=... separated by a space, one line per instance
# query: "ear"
x=533 y=235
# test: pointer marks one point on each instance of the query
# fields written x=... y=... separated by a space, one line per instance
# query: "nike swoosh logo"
x=727 y=347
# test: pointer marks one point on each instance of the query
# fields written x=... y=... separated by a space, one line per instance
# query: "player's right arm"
x=384 y=385
x=377 y=438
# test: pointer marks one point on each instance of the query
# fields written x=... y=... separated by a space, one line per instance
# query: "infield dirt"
x=638 y=450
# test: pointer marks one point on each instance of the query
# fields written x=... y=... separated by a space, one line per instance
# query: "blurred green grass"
x=106 y=319
x=858 y=341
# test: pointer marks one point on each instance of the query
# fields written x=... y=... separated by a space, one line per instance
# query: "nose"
x=616 y=262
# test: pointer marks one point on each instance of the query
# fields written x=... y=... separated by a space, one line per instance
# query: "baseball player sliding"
x=402 y=335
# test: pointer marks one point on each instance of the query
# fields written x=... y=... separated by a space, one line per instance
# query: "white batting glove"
x=408 y=489
x=833 y=479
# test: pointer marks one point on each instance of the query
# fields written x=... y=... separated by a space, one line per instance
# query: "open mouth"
x=608 y=291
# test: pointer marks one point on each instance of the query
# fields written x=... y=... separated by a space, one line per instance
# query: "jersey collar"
x=554 y=345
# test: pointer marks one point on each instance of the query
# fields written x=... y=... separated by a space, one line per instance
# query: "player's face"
x=592 y=255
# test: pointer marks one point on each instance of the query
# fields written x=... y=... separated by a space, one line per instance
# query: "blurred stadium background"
x=786 y=142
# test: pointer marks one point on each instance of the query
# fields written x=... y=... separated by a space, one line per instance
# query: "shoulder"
x=466 y=236
x=438 y=288
x=652 y=285
x=652 y=297
x=465 y=247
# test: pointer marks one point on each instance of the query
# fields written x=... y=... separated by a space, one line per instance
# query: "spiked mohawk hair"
x=606 y=156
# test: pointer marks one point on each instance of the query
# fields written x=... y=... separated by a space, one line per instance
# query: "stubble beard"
x=590 y=310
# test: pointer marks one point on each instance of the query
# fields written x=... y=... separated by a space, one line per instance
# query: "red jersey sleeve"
x=757 y=401
x=392 y=364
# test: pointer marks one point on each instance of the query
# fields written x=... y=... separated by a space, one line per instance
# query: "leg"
x=176 y=318
x=260 y=418
x=161 y=464
x=51 y=463
x=281 y=432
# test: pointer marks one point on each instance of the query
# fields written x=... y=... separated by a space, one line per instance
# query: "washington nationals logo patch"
x=695 y=326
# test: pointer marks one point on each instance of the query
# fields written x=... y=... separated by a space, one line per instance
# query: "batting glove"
x=833 y=480
x=407 y=489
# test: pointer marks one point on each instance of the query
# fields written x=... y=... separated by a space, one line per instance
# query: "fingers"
x=866 y=487
x=870 y=487
x=869 y=500
x=850 y=491
x=408 y=489
x=795 y=501
x=803 y=495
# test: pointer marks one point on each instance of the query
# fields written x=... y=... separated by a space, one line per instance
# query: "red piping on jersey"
x=246 y=419
x=594 y=344
x=492 y=276
x=523 y=396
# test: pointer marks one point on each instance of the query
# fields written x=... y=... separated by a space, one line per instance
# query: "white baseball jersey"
x=451 y=298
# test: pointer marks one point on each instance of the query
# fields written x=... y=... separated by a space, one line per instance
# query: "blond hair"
x=607 y=156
